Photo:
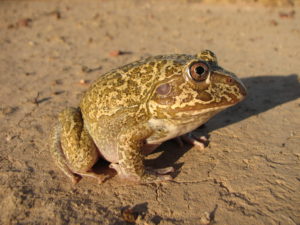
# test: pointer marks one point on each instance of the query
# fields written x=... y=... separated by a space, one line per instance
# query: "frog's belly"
x=112 y=156
x=166 y=130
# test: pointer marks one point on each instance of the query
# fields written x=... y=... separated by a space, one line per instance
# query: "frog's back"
x=129 y=86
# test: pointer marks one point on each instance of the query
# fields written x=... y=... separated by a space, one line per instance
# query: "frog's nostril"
x=230 y=80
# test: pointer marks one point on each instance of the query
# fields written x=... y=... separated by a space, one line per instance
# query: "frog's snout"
x=238 y=83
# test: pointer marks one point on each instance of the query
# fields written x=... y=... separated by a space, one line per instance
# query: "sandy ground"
x=249 y=173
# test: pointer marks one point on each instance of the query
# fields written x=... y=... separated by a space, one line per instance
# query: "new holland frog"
x=130 y=111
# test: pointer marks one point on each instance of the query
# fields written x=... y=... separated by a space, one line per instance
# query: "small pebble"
x=84 y=82
x=86 y=69
x=128 y=215
x=274 y=22
x=7 y=110
x=31 y=43
x=8 y=138
x=26 y=22
x=10 y=26
x=55 y=13
x=57 y=82
x=205 y=219
x=290 y=14
x=58 y=92
x=115 y=53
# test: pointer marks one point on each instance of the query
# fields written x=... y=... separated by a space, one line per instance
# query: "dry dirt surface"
x=50 y=51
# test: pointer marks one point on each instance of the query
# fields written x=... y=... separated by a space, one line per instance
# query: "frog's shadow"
x=264 y=93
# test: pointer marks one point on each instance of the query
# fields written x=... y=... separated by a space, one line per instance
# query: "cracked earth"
x=248 y=174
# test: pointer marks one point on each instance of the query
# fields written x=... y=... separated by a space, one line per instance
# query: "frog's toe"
x=165 y=170
x=116 y=167
x=152 y=176
x=198 y=142
x=159 y=174
x=75 y=178
x=99 y=177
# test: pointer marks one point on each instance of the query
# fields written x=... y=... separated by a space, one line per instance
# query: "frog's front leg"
x=73 y=148
x=131 y=158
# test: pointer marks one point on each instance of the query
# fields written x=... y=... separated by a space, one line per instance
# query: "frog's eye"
x=199 y=71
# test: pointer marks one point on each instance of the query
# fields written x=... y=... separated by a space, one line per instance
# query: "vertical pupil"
x=200 y=70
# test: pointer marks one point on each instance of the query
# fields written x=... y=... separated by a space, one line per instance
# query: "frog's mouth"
x=190 y=115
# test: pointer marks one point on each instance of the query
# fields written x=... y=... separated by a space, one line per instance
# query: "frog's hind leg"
x=73 y=148
x=59 y=157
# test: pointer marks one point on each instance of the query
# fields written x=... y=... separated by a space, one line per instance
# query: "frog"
x=129 y=111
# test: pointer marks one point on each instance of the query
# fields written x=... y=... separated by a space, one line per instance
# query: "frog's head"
x=198 y=87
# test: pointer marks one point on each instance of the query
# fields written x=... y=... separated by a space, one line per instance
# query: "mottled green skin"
x=126 y=115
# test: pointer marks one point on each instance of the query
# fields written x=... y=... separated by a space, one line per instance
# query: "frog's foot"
x=198 y=142
x=99 y=177
x=150 y=175
x=75 y=178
